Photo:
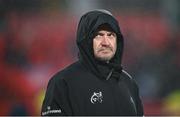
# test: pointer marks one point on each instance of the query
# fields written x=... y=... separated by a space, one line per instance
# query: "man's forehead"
x=105 y=27
x=105 y=32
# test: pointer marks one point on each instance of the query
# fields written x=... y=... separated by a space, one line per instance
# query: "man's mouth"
x=105 y=51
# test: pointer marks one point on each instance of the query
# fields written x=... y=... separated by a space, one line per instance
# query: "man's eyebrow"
x=98 y=33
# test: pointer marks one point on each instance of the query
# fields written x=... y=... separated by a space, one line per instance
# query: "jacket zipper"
x=109 y=75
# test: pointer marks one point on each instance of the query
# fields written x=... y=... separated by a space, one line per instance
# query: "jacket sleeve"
x=134 y=89
x=56 y=101
x=139 y=105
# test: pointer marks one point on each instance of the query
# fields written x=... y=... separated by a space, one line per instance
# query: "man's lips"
x=105 y=51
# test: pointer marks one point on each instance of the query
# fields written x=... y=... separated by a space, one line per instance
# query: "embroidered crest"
x=96 y=98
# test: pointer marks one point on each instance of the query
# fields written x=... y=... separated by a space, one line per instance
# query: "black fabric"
x=91 y=87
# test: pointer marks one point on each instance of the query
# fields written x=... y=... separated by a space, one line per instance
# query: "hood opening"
x=88 y=25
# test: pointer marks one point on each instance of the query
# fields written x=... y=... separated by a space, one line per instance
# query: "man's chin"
x=104 y=58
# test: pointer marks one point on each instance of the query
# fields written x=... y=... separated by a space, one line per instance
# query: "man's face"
x=104 y=43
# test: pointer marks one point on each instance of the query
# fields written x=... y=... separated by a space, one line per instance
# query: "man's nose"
x=105 y=40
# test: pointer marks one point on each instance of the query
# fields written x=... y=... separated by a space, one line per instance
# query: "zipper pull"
x=109 y=75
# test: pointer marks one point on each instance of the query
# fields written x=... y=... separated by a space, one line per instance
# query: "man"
x=96 y=83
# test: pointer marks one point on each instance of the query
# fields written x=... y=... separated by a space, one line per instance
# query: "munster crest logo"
x=96 y=98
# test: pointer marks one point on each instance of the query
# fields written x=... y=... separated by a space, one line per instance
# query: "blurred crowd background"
x=37 y=39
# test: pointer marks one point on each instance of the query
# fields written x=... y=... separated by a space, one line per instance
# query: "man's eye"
x=112 y=35
x=98 y=35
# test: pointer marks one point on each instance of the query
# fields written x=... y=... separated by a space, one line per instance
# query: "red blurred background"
x=37 y=39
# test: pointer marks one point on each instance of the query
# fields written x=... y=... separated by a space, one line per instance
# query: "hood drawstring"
x=110 y=73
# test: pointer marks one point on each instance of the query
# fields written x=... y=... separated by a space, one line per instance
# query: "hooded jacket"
x=91 y=87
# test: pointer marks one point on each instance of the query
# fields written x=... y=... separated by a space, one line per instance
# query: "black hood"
x=88 y=24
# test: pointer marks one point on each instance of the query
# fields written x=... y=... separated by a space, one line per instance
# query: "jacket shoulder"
x=128 y=79
x=126 y=74
x=75 y=69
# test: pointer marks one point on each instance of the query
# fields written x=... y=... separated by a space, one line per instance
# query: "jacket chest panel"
x=93 y=98
x=100 y=98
